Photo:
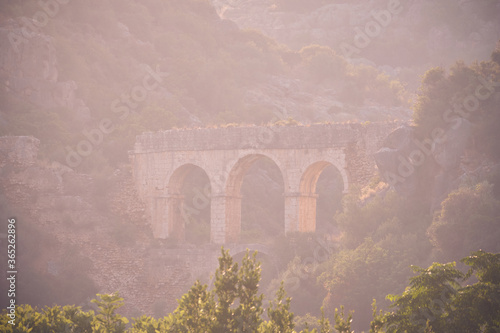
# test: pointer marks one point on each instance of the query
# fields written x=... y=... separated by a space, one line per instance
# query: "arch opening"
x=255 y=200
x=189 y=199
x=321 y=189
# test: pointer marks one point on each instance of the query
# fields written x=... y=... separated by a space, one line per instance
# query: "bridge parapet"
x=258 y=137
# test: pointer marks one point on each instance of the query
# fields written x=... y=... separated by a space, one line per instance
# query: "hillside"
x=402 y=37
x=82 y=78
x=97 y=55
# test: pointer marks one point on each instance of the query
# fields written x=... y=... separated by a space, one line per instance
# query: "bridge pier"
x=226 y=219
x=169 y=217
x=218 y=219
x=233 y=218
x=291 y=212
x=177 y=217
x=300 y=212
x=307 y=212
x=160 y=213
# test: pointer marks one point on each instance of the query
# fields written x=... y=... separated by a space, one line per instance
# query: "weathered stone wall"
x=161 y=159
x=258 y=137
x=108 y=232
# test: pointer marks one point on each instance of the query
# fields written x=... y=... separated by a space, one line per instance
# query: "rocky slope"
x=70 y=73
x=29 y=71
x=415 y=33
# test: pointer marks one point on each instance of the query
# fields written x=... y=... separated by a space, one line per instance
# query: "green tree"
x=280 y=317
x=68 y=318
x=468 y=220
x=145 y=324
x=242 y=284
x=322 y=63
x=426 y=300
x=107 y=320
x=436 y=302
x=233 y=306
x=249 y=311
x=378 y=321
x=324 y=323
x=432 y=101
x=196 y=311
x=226 y=289
x=81 y=320
x=342 y=324
x=445 y=99
x=26 y=318
x=350 y=276
x=476 y=307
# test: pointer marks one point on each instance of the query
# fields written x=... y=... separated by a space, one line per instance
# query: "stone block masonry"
x=162 y=160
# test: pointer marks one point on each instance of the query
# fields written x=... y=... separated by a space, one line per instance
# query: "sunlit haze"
x=250 y=166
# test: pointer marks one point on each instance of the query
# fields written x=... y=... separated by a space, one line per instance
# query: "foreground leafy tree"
x=232 y=283
x=196 y=311
x=281 y=319
x=435 y=302
x=342 y=324
x=107 y=320
x=233 y=306
x=476 y=307
x=426 y=300
x=50 y=319
x=147 y=324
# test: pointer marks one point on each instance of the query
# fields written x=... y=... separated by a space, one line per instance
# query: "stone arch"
x=308 y=196
x=178 y=212
x=233 y=193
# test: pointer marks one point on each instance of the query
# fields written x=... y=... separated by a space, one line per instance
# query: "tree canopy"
x=437 y=300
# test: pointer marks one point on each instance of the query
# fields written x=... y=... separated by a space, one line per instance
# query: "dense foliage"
x=211 y=65
x=384 y=234
x=467 y=220
x=434 y=302
x=104 y=46
x=464 y=94
x=381 y=238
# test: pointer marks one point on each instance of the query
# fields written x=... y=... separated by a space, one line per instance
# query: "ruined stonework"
x=100 y=239
x=162 y=160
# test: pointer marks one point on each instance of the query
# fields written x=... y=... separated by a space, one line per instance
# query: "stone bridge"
x=162 y=161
